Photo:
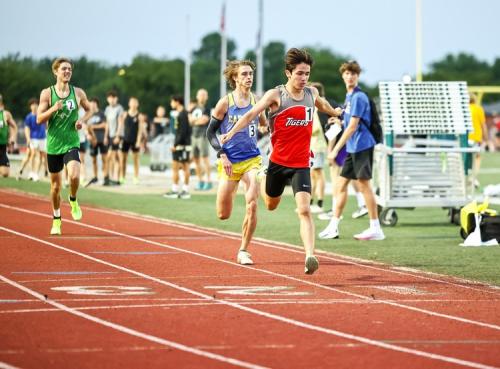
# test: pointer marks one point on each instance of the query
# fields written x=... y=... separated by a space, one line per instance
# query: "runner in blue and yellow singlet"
x=59 y=107
x=239 y=158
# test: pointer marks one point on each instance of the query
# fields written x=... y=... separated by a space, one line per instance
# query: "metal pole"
x=223 y=51
x=187 y=67
x=260 y=53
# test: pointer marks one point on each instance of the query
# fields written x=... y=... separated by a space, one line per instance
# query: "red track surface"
x=118 y=291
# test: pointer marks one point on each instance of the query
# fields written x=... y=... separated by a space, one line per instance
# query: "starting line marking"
x=105 y=290
x=401 y=290
x=257 y=290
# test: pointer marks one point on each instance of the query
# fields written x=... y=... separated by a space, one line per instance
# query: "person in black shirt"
x=181 y=149
x=98 y=131
x=132 y=133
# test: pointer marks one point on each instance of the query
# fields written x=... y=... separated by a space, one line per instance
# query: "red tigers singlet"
x=291 y=129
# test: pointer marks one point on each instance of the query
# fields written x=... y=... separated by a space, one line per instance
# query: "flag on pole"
x=223 y=50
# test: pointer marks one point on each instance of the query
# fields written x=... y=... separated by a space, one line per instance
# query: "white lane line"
x=131 y=331
x=271 y=316
x=247 y=267
x=363 y=263
x=7 y=366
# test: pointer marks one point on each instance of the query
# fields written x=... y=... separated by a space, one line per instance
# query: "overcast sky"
x=380 y=34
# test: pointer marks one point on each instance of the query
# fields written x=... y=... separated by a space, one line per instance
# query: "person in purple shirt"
x=36 y=142
x=358 y=164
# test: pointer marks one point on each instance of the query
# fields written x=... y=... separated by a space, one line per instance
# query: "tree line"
x=153 y=81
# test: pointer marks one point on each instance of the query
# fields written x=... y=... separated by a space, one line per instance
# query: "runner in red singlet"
x=291 y=109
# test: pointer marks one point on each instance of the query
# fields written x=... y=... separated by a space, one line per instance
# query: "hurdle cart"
x=425 y=161
x=161 y=153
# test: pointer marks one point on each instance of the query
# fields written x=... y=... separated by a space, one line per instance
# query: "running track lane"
x=363 y=312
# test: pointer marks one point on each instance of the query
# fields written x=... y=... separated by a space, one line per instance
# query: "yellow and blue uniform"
x=241 y=150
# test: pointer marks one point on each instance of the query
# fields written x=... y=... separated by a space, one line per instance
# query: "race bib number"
x=252 y=130
x=70 y=104
x=309 y=114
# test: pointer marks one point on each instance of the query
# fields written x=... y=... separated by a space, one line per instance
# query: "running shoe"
x=76 y=212
x=326 y=215
x=171 y=195
x=92 y=181
x=135 y=181
x=361 y=211
x=330 y=232
x=315 y=209
x=200 y=186
x=184 y=195
x=311 y=265
x=56 y=227
x=244 y=258
x=207 y=186
x=107 y=181
x=370 y=235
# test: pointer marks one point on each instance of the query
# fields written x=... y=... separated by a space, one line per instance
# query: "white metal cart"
x=425 y=161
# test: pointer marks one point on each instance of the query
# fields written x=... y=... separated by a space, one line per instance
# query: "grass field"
x=424 y=238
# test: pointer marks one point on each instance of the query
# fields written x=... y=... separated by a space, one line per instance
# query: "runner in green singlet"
x=8 y=134
x=59 y=107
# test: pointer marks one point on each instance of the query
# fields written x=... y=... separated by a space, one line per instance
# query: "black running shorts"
x=56 y=162
x=278 y=176
x=4 y=160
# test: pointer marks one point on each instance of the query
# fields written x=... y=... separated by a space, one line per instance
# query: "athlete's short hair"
x=56 y=63
x=351 y=66
x=296 y=56
x=178 y=98
x=231 y=70
x=112 y=93
x=32 y=101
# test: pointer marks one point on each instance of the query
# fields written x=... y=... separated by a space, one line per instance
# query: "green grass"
x=424 y=238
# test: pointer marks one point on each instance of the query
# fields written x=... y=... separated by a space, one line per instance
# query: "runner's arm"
x=267 y=100
x=45 y=111
x=219 y=112
x=323 y=105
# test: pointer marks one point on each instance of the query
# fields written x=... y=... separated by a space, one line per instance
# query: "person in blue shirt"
x=36 y=142
x=358 y=165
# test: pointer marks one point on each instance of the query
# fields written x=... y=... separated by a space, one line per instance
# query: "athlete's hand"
x=333 y=154
x=58 y=105
x=116 y=140
x=106 y=141
x=78 y=125
x=339 y=111
x=228 y=166
x=225 y=137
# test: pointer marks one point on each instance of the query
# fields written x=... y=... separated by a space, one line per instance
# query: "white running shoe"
x=315 y=209
x=361 y=211
x=311 y=265
x=330 y=232
x=244 y=258
x=370 y=235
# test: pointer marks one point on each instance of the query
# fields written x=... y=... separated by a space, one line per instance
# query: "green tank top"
x=62 y=135
x=4 y=130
